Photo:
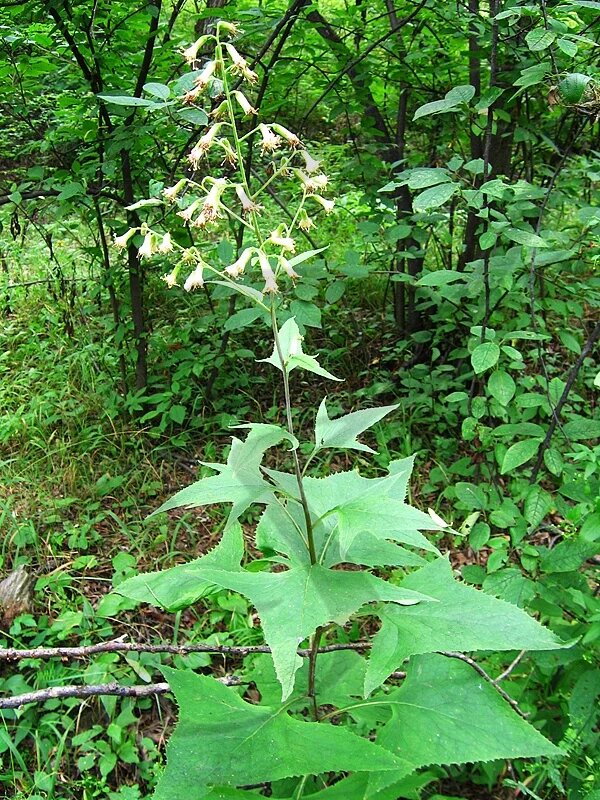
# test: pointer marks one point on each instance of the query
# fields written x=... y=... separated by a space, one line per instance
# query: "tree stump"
x=16 y=595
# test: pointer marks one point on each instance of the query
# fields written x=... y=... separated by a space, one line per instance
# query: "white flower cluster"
x=205 y=203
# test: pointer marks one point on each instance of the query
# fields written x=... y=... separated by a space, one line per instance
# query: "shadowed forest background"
x=457 y=277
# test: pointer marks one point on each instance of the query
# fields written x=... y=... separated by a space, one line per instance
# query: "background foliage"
x=460 y=281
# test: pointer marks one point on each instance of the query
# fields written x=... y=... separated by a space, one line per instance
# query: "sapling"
x=329 y=723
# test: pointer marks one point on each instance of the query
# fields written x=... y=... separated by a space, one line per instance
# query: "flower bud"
x=267 y=273
x=195 y=279
x=248 y=205
x=244 y=104
x=312 y=165
x=166 y=244
x=171 y=192
x=291 y=138
x=326 y=204
x=120 y=242
x=270 y=142
x=235 y=270
x=191 y=53
x=220 y=112
x=148 y=246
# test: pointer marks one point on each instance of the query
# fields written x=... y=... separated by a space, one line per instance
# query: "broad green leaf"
x=501 y=386
x=278 y=531
x=301 y=257
x=423 y=177
x=179 y=587
x=473 y=496
x=293 y=356
x=239 y=480
x=343 y=431
x=567 y=46
x=581 y=429
x=196 y=116
x=531 y=76
x=537 y=504
x=221 y=740
x=451 y=102
x=519 y=453
x=539 y=39
x=445 y=713
x=242 y=318
x=487 y=240
x=510 y=585
x=485 y=356
x=573 y=86
x=553 y=461
x=434 y=197
x=247 y=291
x=292 y=604
x=157 y=90
x=122 y=100
x=526 y=238
x=464 y=619
x=440 y=277
x=568 y=555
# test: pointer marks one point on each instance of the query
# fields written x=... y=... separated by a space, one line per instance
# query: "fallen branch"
x=63 y=692
x=118 y=646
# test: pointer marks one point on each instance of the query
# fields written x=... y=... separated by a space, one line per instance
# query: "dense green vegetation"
x=453 y=288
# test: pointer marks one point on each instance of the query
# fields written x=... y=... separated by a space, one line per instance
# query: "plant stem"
x=312 y=672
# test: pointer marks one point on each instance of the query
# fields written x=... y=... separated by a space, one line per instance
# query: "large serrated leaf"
x=239 y=481
x=290 y=341
x=445 y=713
x=343 y=431
x=179 y=587
x=221 y=740
x=464 y=619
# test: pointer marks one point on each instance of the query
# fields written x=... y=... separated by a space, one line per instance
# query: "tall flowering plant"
x=324 y=721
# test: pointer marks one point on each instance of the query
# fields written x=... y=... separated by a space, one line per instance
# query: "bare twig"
x=509 y=669
x=101 y=689
x=480 y=670
x=118 y=646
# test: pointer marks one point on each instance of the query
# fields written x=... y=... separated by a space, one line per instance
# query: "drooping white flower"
x=248 y=205
x=324 y=203
x=278 y=238
x=229 y=27
x=203 y=79
x=187 y=213
x=120 y=242
x=171 y=278
x=236 y=269
x=212 y=202
x=312 y=165
x=267 y=273
x=148 y=247
x=195 y=279
x=270 y=142
x=287 y=268
x=305 y=223
x=239 y=65
x=203 y=145
x=230 y=157
x=171 y=192
x=191 y=53
x=291 y=138
x=311 y=184
x=244 y=103
x=166 y=244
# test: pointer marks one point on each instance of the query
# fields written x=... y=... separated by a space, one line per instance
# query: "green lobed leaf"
x=343 y=431
x=221 y=740
x=179 y=587
x=464 y=619
x=293 y=356
x=239 y=480
x=518 y=454
x=445 y=713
